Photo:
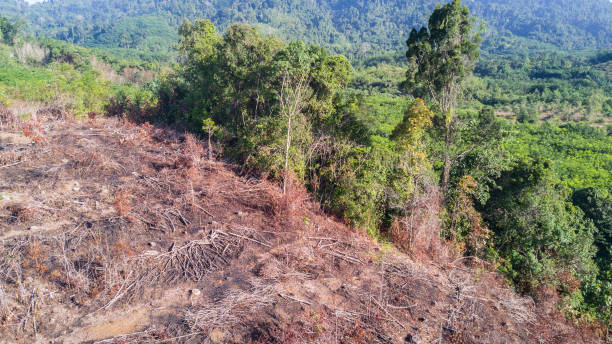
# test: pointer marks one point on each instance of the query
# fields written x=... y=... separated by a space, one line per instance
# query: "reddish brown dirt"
x=117 y=233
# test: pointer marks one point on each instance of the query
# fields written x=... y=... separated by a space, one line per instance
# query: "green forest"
x=379 y=109
x=353 y=28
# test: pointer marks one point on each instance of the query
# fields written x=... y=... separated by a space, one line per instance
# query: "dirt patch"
x=14 y=138
x=114 y=325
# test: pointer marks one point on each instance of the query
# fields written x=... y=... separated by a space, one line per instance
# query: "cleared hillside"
x=113 y=232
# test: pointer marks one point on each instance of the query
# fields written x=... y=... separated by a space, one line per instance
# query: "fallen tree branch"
x=294 y=299
x=344 y=256
x=246 y=238
x=387 y=312
x=204 y=210
x=9 y=165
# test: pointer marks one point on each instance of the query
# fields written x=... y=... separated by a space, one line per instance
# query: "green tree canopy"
x=440 y=58
x=536 y=231
x=442 y=55
x=8 y=31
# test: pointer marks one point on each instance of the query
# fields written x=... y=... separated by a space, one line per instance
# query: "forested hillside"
x=349 y=27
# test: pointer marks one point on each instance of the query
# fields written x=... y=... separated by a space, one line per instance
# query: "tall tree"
x=245 y=69
x=441 y=57
x=294 y=64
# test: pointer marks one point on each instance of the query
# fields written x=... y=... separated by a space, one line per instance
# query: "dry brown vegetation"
x=116 y=233
x=127 y=74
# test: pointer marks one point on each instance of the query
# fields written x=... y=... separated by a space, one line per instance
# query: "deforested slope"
x=116 y=232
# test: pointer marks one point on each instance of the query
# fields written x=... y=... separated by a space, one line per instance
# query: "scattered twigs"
x=191 y=261
x=471 y=257
x=170 y=221
x=30 y=316
x=121 y=337
x=234 y=307
x=346 y=257
x=387 y=312
x=178 y=337
x=204 y=210
x=402 y=307
x=294 y=299
x=244 y=237
x=333 y=241
x=10 y=165
x=112 y=260
x=122 y=291
x=180 y=217
x=326 y=238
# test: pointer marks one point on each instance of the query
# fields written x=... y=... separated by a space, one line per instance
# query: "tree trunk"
x=446 y=173
x=447 y=161
x=209 y=146
x=287 y=146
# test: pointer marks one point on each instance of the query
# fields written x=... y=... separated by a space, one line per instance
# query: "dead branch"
x=387 y=312
x=294 y=299
x=10 y=165
x=246 y=238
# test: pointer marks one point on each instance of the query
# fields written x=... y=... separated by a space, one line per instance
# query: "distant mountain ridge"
x=346 y=26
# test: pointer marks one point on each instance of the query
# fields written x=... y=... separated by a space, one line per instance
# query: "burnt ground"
x=112 y=232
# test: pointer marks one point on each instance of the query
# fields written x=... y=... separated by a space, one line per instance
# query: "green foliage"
x=8 y=31
x=352 y=182
x=84 y=92
x=536 y=87
x=410 y=131
x=580 y=159
x=137 y=104
x=209 y=126
x=379 y=75
x=281 y=105
x=381 y=112
x=597 y=296
x=269 y=98
x=476 y=149
x=465 y=228
x=441 y=56
x=65 y=75
x=580 y=155
x=547 y=23
x=231 y=79
x=354 y=28
x=537 y=232
x=144 y=33
x=412 y=170
x=597 y=206
x=285 y=106
x=81 y=58
x=59 y=51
